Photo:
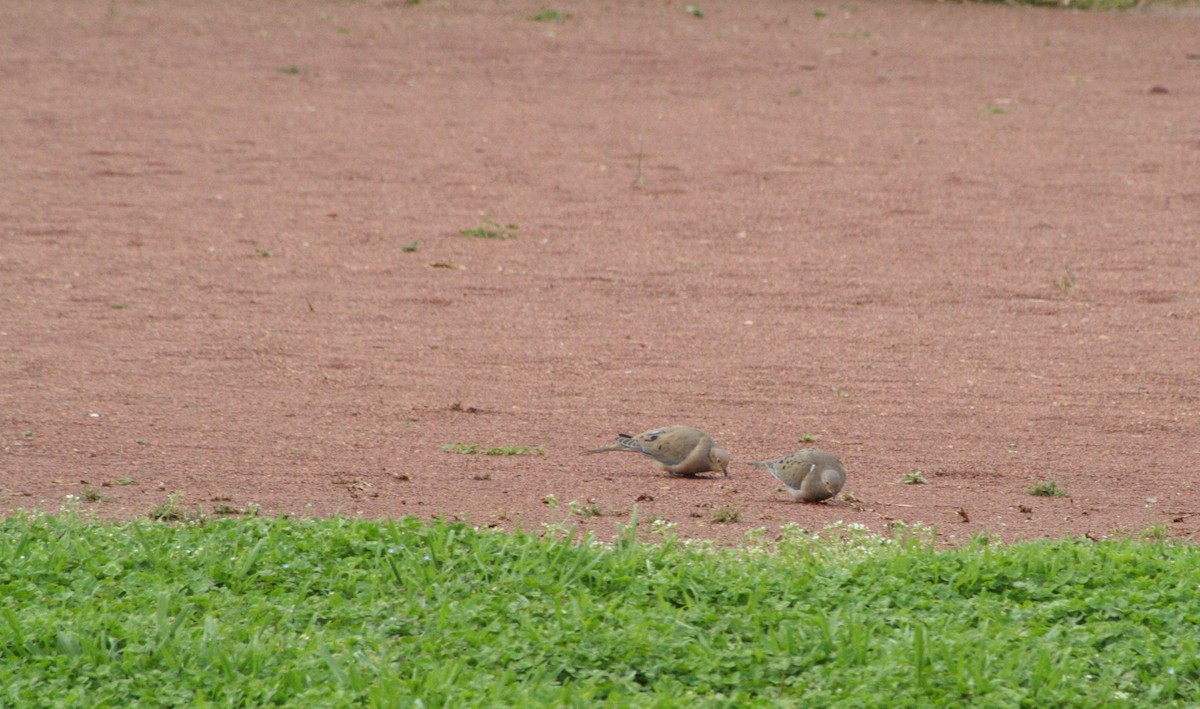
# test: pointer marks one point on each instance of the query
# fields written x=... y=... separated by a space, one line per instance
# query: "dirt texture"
x=956 y=239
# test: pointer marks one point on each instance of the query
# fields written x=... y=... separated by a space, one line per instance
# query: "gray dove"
x=809 y=475
x=679 y=450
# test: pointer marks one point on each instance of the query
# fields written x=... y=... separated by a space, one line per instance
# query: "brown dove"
x=679 y=450
x=809 y=475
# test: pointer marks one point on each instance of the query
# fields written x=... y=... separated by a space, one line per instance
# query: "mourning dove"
x=809 y=475
x=679 y=450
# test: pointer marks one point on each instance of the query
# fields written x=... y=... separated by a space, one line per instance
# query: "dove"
x=809 y=475
x=679 y=450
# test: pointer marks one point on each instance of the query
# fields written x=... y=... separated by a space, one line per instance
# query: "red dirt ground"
x=960 y=239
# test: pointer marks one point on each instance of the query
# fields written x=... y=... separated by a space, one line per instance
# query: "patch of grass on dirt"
x=914 y=477
x=726 y=514
x=171 y=510
x=548 y=15
x=290 y=70
x=1047 y=488
x=461 y=448
x=1066 y=281
x=475 y=448
x=585 y=509
x=340 y=612
x=490 y=229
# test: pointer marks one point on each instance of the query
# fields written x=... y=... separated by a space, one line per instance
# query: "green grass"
x=170 y=510
x=490 y=229
x=726 y=514
x=339 y=613
x=548 y=15
x=1047 y=488
x=475 y=448
x=585 y=509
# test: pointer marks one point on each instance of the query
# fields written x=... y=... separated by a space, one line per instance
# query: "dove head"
x=719 y=459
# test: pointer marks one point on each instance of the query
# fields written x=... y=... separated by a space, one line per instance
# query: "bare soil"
x=955 y=239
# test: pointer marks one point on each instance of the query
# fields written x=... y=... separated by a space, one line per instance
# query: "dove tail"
x=605 y=449
x=624 y=443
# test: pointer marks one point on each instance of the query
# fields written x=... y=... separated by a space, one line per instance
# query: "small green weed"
x=410 y=247
x=694 y=11
x=726 y=514
x=491 y=230
x=290 y=70
x=475 y=448
x=91 y=494
x=461 y=448
x=169 y=511
x=1157 y=534
x=1066 y=281
x=548 y=15
x=585 y=509
x=516 y=450
x=1047 y=488
x=914 y=477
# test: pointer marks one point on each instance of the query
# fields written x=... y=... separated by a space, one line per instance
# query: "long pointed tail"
x=605 y=449
x=623 y=444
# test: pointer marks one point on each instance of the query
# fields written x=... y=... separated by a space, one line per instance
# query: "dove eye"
x=652 y=438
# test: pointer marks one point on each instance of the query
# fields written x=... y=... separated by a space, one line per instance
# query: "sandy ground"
x=955 y=239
